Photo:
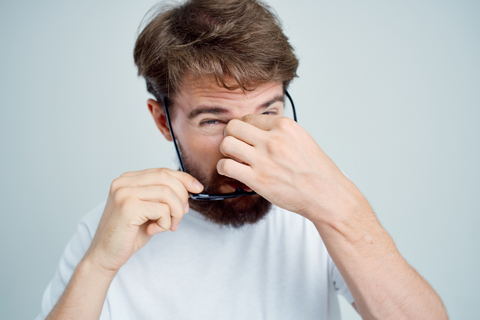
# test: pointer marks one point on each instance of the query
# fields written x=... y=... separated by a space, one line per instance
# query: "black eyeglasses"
x=213 y=196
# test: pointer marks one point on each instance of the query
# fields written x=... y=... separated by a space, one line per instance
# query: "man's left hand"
x=281 y=161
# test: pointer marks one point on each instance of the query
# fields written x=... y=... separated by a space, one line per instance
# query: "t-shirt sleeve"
x=73 y=253
x=338 y=282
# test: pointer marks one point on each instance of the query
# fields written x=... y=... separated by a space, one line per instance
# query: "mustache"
x=212 y=184
x=217 y=181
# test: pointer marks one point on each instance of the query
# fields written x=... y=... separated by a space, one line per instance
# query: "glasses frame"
x=213 y=196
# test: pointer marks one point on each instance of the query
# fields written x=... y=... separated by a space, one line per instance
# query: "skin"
x=251 y=142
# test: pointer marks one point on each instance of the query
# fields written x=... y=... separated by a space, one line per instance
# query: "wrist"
x=336 y=203
x=85 y=293
x=89 y=265
x=348 y=219
x=357 y=233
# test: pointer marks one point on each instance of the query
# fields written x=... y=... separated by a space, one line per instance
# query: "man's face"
x=201 y=111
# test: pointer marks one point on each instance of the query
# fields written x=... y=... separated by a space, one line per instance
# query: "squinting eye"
x=208 y=122
x=270 y=113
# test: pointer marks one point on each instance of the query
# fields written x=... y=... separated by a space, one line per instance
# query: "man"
x=219 y=70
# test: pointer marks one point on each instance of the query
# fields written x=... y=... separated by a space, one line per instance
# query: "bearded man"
x=285 y=231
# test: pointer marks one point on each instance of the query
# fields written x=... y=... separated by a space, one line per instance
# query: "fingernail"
x=187 y=208
x=197 y=185
x=173 y=228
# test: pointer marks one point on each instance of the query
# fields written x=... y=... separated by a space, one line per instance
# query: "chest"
x=249 y=275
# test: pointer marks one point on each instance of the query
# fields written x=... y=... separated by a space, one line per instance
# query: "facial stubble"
x=235 y=212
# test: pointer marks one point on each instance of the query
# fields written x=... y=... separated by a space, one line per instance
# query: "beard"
x=235 y=212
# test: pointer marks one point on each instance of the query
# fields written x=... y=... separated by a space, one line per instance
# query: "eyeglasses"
x=214 y=196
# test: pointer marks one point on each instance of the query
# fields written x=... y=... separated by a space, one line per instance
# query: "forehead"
x=197 y=92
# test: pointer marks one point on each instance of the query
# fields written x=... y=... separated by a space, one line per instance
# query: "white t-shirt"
x=276 y=269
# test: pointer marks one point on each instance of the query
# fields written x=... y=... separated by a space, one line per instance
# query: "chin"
x=236 y=212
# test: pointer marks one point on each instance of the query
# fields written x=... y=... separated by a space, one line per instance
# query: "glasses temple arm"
x=167 y=115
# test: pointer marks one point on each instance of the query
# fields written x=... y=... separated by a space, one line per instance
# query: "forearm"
x=84 y=295
x=382 y=283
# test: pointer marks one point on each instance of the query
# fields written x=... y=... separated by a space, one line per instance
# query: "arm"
x=383 y=284
x=284 y=164
x=140 y=205
x=85 y=293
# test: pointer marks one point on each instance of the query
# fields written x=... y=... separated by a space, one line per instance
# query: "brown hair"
x=230 y=39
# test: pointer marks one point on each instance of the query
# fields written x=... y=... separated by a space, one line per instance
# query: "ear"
x=158 y=114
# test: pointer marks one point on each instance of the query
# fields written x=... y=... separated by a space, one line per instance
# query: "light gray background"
x=389 y=89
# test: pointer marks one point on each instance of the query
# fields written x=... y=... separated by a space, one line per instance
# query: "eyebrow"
x=214 y=109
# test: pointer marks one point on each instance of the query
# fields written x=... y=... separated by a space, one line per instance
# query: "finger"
x=168 y=196
x=191 y=184
x=244 y=132
x=238 y=150
x=237 y=171
x=157 y=175
x=136 y=173
x=154 y=218
x=261 y=121
x=160 y=177
x=271 y=123
x=153 y=228
x=181 y=192
x=160 y=194
x=159 y=219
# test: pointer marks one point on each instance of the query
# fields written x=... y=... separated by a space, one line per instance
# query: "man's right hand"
x=140 y=204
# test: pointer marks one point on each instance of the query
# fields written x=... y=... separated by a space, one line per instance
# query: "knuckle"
x=177 y=214
x=162 y=229
x=277 y=146
x=161 y=174
x=116 y=184
x=248 y=118
x=284 y=123
x=163 y=209
x=120 y=195
x=264 y=178
x=230 y=127
x=184 y=196
x=167 y=191
x=221 y=166
x=274 y=144
x=165 y=222
x=227 y=144
x=126 y=174
x=127 y=204
x=224 y=166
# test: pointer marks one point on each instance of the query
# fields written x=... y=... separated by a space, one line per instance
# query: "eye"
x=270 y=113
x=209 y=122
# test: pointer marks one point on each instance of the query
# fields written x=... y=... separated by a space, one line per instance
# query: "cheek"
x=203 y=150
x=208 y=147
